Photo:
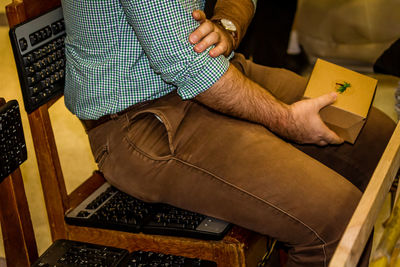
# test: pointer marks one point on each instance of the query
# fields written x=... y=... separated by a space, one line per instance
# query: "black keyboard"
x=110 y=208
x=12 y=142
x=38 y=47
x=67 y=253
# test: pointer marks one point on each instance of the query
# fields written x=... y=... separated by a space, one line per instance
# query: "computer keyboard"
x=38 y=47
x=12 y=142
x=68 y=253
x=110 y=208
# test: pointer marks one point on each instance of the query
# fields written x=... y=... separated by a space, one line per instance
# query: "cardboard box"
x=355 y=94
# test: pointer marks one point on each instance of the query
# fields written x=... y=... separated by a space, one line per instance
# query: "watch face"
x=228 y=25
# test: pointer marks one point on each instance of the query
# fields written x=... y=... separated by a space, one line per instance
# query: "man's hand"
x=208 y=34
x=305 y=124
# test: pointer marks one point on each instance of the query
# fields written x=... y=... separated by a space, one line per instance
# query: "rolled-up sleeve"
x=163 y=29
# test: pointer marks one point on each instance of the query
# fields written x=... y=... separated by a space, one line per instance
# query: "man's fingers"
x=199 y=15
x=325 y=100
x=203 y=30
x=220 y=49
x=206 y=42
x=199 y=33
x=322 y=143
x=331 y=137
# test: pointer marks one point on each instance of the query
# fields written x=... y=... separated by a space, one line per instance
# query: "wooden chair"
x=16 y=225
x=240 y=247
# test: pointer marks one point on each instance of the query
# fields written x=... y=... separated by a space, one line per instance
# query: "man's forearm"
x=236 y=95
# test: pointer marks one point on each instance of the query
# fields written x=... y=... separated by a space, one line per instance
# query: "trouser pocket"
x=148 y=135
x=152 y=130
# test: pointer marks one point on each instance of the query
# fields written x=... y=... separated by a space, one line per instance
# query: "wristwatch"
x=230 y=27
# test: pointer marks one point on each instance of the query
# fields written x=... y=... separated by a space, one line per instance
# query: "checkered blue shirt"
x=121 y=52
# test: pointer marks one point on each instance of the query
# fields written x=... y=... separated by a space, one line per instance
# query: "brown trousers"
x=207 y=162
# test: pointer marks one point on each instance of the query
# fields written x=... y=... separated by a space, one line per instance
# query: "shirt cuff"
x=214 y=69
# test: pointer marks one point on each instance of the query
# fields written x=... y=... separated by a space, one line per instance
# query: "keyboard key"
x=28 y=59
x=23 y=44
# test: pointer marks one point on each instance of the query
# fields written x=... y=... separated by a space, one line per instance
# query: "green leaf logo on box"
x=342 y=87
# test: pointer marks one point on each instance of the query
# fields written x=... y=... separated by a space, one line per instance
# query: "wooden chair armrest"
x=360 y=226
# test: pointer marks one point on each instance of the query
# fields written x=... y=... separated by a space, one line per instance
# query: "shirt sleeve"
x=163 y=29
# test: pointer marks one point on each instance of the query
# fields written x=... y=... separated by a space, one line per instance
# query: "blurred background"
x=289 y=34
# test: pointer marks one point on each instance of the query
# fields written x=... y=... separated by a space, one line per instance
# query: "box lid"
x=355 y=90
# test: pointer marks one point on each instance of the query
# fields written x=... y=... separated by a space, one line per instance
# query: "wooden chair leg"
x=19 y=240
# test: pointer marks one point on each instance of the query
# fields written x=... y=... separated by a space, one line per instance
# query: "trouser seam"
x=255 y=197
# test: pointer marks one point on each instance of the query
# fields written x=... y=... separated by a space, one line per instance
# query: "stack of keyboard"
x=110 y=208
x=67 y=253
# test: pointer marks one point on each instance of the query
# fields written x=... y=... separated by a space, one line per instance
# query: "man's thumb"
x=325 y=100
